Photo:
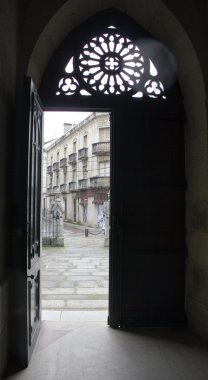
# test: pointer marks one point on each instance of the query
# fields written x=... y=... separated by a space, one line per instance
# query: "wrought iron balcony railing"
x=63 y=188
x=56 y=189
x=72 y=186
x=72 y=158
x=56 y=166
x=83 y=183
x=100 y=182
x=63 y=162
x=101 y=148
x=49 y=169
x=49 y=191
x=83 y=154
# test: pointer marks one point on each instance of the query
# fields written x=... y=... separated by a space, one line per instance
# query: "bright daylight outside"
x=75 y=216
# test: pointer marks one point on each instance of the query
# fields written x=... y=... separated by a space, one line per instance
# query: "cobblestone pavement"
x=74 y=278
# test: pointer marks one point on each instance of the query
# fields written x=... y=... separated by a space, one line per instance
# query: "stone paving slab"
x=59 y=291
x=93 y=291
x=75 y=304
x=75 y=278
x=76 y=297
x=75 y=316
x=53 y=304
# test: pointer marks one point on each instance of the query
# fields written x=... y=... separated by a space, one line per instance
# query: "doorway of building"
x=75 y=216
x=117 y=69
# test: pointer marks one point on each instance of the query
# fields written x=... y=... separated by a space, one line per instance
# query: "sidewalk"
x=75 y=277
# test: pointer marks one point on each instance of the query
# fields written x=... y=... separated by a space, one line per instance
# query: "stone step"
x=75 y=304
x=75 y=297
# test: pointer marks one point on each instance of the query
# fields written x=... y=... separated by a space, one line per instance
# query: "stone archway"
x=158 y=20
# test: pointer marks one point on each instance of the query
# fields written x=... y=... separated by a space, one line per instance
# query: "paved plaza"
x=74 y=279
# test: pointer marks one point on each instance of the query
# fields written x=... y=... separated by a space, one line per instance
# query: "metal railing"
x=83 y=183
x=63 y=163
x=72 y=186
x=100 y=181
x=49 y=169
x=56 y=166
x=83 y=154
x=63 y=188
x=101 y=148
x=55 y=189
x=49 y=191
x=72 y=158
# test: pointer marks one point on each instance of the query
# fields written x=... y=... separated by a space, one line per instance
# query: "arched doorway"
x=111 y=63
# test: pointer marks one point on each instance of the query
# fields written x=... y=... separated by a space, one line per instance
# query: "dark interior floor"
x=92 y=350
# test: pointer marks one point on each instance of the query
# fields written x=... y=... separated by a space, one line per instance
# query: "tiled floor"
x=75 y=278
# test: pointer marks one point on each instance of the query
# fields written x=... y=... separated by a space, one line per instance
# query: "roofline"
x=76 y=127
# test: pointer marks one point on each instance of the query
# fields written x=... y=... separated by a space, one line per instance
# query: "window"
x=111 y=63
x=50 y=181
x=85 y=141
x=74 y=175
x=104 y=134
x=84 y=167
x=104 y=168
x=74 y=147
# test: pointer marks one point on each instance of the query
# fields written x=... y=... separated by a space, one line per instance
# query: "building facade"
x=78 y=170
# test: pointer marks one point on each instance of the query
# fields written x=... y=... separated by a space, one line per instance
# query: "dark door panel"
x=149 y=225
x=33 y=217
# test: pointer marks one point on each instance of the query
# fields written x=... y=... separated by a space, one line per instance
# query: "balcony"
x=72 y=158
x=83 y=183
x=55 y=166
x=72 y=186
x=101 y=148
x=63 y=163
x=49 y=169
x=49 y=191
x=83 y=154
x=63 y=188
x=100 y=182
x=56 y=190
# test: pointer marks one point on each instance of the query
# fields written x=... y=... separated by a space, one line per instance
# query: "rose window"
x=111 y=64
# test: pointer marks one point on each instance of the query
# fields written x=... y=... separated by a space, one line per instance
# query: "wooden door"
x=27 y=286
x=148 y=218
x=33 y=215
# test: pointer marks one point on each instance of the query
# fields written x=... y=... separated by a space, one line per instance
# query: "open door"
x=35 y=118
x=25 y=324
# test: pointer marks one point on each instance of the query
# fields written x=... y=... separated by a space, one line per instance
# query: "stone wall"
x=8 y=45
x=3 y=326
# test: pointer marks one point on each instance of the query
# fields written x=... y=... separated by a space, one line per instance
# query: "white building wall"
x=62 y=148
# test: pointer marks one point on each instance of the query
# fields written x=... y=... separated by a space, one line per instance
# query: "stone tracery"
x=111 y=64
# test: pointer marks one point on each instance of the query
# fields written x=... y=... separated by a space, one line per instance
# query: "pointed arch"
x=156 y=18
